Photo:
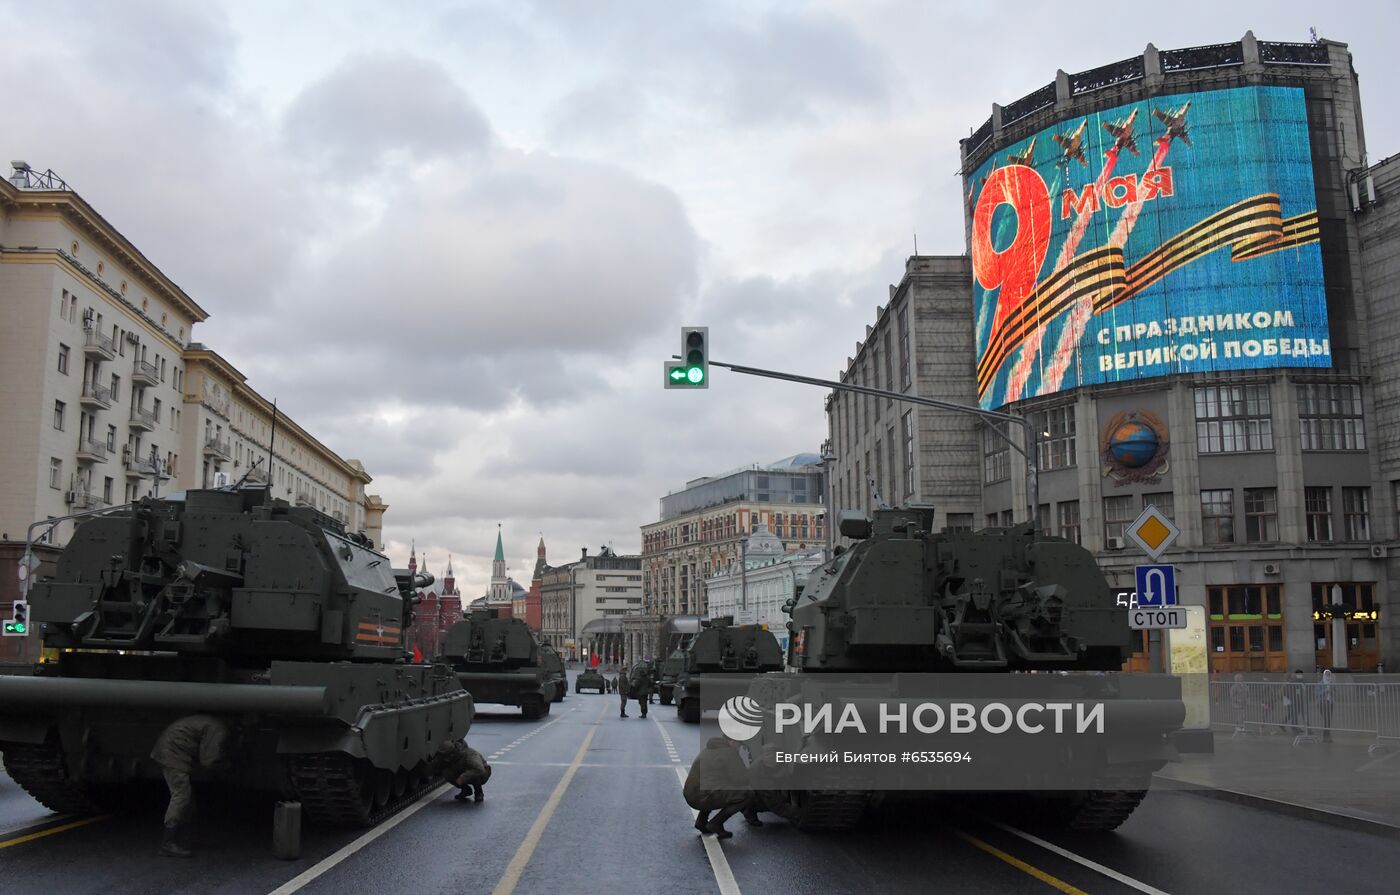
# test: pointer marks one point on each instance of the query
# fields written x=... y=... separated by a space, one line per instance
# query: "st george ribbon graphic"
x=1094 y=262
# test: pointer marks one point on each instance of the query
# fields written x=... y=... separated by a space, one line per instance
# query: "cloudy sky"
x=458 y=240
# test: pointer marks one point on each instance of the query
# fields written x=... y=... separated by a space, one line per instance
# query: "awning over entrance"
x=602 y=626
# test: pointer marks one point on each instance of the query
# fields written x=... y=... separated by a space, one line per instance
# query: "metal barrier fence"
x=1309 y=709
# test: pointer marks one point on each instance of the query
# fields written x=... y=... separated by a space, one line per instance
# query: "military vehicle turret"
x=908 y=607
x=720 y=652
x=554 y=670
x=498 y=660
x=668 y=672
x=236 y=604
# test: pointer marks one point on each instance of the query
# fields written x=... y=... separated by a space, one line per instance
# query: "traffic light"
x=693 y=369
x=17 y=625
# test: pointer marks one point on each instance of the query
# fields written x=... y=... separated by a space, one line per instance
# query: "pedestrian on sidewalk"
x=1239 y=702
x=621 y=686
x=1326 y=695
x=1294 y=700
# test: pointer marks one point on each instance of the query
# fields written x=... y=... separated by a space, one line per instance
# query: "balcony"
x=90 y=451
x=143 y=373
x=96 y=397
x=81 y=500
x=218 y=448
x=304 y=499
x=98 y=346
x=138 y=467
x=143 y=419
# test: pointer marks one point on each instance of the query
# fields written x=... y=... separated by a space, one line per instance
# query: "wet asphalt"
x=621 y=826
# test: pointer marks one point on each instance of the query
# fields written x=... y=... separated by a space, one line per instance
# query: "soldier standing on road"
x=194 y=740
x=621 y=685
x=639 y=685
x=463 y=767
x=718 y=781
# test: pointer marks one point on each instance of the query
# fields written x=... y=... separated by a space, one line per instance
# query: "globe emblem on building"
x=740 y=718
x=1133 y=444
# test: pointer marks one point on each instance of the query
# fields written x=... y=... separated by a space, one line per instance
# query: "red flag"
x=417 y=655
x=593 y=660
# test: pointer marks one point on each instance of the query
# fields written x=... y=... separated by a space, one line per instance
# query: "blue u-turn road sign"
x=1156 y=585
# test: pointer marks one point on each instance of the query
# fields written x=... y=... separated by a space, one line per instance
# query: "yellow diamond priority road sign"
x=1153 y=532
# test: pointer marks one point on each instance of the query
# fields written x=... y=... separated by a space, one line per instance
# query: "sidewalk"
x=1337 y=782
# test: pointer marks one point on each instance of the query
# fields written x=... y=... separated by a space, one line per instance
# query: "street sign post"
x=1156 y=586
x=1153 y=532
x=1169 y=617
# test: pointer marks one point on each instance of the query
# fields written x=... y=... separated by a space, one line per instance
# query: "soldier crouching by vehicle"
x=718 y=781
x=190 y=742
x=463 y=767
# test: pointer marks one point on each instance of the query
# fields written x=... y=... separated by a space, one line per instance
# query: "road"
x=583 y=801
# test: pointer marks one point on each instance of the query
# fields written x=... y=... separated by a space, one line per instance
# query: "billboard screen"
x=1177 y=234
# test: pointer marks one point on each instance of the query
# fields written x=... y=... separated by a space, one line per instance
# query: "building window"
x=879 y=472
x=889 y=362
x=875 y=370
x=1330 y=417
x=1363 y=645
x=1246 y=628
x=1118 y=512
x=1218 y=516
x=55 y=472
x=63 y=359
x=1056 y=428
x=111 y=438
x=1163 y=501
x=907 y=422
x=116 y=387
x=991 y=520
x=996 y=453
x=1042 y=518
x=905 y=373
x=1233 y=418
x=107 y=490
x=58 y=408
x=1356 y=513
x=1317 y=503
x=1069 y=520
x=960 y=522
x=1260 y=515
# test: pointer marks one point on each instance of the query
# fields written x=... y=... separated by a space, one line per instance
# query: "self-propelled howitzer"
x=498 y=660
x=909 y=616
x=236 y=604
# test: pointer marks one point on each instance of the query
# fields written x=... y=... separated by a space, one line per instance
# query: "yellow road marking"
x=1021 y=865
x=517 y=865
x=62 y=828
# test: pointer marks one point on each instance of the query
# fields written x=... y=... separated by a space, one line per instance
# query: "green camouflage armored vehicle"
x=229 y=603
x=723 y=655
x=668 y=672
x=554 y=670
x=499 y=661
x=909 y=615
x=590 y=679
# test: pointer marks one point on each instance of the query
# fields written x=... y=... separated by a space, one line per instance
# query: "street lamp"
x=1339 y=631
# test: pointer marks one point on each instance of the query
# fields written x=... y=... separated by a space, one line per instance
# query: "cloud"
x=374 y=108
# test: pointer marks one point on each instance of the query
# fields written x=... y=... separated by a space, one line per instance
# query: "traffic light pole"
x=1029 y=452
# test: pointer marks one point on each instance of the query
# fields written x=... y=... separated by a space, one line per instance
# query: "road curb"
x=1291 y=809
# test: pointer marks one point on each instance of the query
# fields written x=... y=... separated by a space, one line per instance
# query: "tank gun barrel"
x=54 y=692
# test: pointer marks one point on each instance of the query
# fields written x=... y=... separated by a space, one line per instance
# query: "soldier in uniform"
x=620 y=685
x=639 y=685
x=192 y=741
x=463 y=767
x=718 y=781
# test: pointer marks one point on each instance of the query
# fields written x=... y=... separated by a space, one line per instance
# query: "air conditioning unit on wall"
x=1272 y=568
x=1379 y=551
x=1113 y=543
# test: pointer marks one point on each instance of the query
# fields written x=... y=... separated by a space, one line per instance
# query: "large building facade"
x=1182 y=271
x=753 y=590
x=106 y=399
x=601 y=587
